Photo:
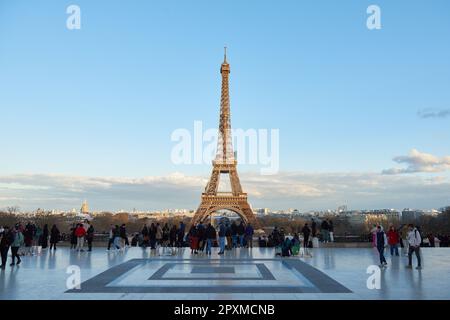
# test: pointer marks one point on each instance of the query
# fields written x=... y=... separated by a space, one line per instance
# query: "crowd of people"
x=31 y=238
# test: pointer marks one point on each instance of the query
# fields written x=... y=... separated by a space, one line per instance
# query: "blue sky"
x=103 y=101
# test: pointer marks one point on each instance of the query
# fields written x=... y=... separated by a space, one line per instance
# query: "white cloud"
x=417 y=161
x=304 y=191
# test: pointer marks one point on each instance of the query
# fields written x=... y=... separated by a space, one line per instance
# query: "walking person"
x=211 y=236
x=80 y=233
x=37 y=240
x=393 y=240
x=414 y=241
x=6 y=238
x=249 y=235
x=28 y=238
x=222 y=236
x=145 y=238
x=90 y=236
x=18 y=241
x=381 y=244
x=152 y=236
x=54 y=237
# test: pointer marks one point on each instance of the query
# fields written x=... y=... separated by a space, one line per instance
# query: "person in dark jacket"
x=306 y=233
x=210 y=238
x=73 y=237
x=324 y=231
x=90 y=236
x=193 y=239
x=249 y=235
x=124 y=236
x=234 y=234
x=241 y=233
x=313 y=228
x=44 y=239
x=173 y=236
x=381 y=243
x=54 y=237
x=145 y=236
x=152 y=236
x=202 y=237
x=6 y=238
x=180 y=236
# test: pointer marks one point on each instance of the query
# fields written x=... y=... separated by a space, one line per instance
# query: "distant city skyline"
x=363 y=115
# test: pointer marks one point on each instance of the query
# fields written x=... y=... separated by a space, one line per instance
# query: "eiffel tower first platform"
x=224 y=168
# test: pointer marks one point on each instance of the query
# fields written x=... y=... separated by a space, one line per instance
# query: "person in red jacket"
x=393 y=240
x=80 y=233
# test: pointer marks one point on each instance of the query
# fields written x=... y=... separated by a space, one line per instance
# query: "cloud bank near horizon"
x=418 y=161
x=304 y=191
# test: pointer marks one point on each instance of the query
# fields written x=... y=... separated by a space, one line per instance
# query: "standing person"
x=145 y=237
x=381 y=243
x=165 y=232
x=28 y=235
x=313 y=228
x=306 y=233
x=90 y=236
x=124 y=236
x=44 y=239
x=324 y=231
x=110 y=236
x=331 y=230
x=37 y=238
x=249 y=235
x=374 y=235
x=73 y=237
x=414 y=240
x=6 y=238
x=241 y=234
x=393 y=240
x=193 y=239
x=202 y=237
x=117 y=238
x=159 y=235
x=54 y=237
x=228 y=235
x=181 y=232
x=234 y=234
x=80 y=233
x=173 y=236
x=152 y=236
x=222 y=236
x=17 y=242
x=211 y=236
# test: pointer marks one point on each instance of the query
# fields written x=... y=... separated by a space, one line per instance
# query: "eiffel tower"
x=224 y=168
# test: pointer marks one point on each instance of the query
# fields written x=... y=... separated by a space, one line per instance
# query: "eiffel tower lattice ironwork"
x=224 y=165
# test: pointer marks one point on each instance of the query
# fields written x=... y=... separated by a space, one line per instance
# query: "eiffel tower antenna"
x=224 y=167
x=225 y=54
